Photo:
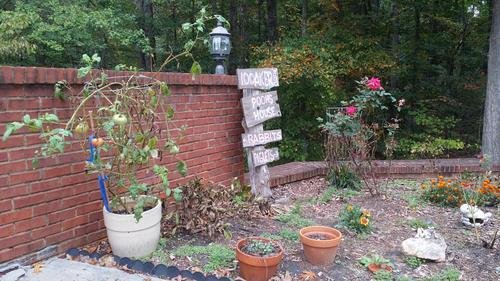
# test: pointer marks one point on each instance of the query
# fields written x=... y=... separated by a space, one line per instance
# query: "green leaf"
x=168 y=191
x=195 y=68
x=50 y=117
x=170 y=112
x=165 y=90
x=181 y=168
x=83 y=71
x=178 y=194
x=59 y=89
x=139 y=208
x=11 y=128
x=96 y=58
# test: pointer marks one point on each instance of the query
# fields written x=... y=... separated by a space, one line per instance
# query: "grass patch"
x=219 y=256
x=159 y=254
x=345 y=193
x=414 y=262
x=418 y=223
x=284 y=234
x=294 y=218
x=382 y=275
x=448 y=274
x=415 y=201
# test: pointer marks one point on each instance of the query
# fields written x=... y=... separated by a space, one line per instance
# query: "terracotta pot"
x=255 y=268
x=320 y=252
x=373 y=267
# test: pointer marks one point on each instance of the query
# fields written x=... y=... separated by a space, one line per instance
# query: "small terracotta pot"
x=320 y=252
x=373 y=267
x=255 y=268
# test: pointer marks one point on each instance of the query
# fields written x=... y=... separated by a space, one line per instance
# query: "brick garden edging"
x=296 y=171
x=45 y=211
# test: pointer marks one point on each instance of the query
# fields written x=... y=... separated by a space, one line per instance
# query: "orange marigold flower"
x=364 y=221
x=433 y=181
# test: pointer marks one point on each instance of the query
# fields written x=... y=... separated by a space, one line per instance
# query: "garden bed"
x=395 y=215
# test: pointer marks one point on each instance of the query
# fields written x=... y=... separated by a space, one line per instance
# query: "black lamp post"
x=220 y=46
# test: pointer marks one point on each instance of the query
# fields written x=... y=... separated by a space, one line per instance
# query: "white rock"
x=427 y=244
x=473 y=216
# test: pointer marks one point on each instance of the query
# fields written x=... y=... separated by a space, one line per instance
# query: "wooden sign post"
x=259 y=105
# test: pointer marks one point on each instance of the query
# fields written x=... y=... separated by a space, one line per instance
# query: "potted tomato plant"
x=123 y=124
x=320 y=244
x=258 y=258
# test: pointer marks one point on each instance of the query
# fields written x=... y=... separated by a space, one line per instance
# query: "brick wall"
x=57 y=206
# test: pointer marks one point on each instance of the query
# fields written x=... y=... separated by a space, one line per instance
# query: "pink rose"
x=351 y=110
x=374 y=84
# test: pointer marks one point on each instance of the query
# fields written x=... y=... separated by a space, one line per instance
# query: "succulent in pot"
x=258 y=258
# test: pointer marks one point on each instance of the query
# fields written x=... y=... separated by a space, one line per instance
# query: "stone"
x=473 y=216
x=14 y=275
x=427 y=244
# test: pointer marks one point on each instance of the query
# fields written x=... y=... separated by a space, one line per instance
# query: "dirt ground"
x=392 y=214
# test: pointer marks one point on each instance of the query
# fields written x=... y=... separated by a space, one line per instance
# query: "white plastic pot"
x=129 y=238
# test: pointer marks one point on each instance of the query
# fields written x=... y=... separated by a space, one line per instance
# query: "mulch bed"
x=390 y=214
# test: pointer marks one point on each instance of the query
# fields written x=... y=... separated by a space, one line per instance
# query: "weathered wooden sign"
x=257 y=78
x=260 y=138
x=261 y=157
x=259 y=106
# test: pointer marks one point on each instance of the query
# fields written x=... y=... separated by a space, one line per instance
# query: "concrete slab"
x=57 y=269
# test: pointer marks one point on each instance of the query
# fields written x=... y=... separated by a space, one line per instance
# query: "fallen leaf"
x=308 y=276
x=37 y=267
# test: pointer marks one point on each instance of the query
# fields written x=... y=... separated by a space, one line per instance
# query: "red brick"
x=25 y=177
x=59 y=193
x=15 y=215
x=6 y=230
x=87 y=208
x=23 y=153
x=5 y=205
x=61 y=236
x=33 y=223
x=61 y=215
x=45 y=185
x=29 y=200
x=46 y=231
x=11 y=167
x=15 y=240
x=75 y=201
x=73 y=222
x=6 y=254
x=30 y=247
x=48 y=207
x=88 y=228
x=58 y=171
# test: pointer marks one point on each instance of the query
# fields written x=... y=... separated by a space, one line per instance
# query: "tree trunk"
x=304 y=18
x=272 y=20
x=491 y=126
x=146 y=19
x=395 y=40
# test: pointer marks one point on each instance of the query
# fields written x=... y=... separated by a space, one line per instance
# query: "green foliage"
x=344 y=177
x=294 y=218
x=355 y=218
x=417 y=223
x=289 y=234
x=57 y=32
x=160 y=254
x=413 y=261
x=374 y=259
x=448 y=274
x=258 y=247
x=415 y=201
x=219 y=256
x=383 y=275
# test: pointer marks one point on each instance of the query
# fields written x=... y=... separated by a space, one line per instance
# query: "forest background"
x=432 y=53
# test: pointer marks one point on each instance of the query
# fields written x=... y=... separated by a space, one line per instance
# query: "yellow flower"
x=366 y=213
x=364 y=221
x=349 y=208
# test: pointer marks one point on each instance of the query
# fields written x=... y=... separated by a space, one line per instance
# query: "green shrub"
x=343 y=177
x=294 y=218
x=382 y=275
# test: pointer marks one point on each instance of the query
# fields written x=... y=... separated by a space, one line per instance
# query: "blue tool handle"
x=100 y=178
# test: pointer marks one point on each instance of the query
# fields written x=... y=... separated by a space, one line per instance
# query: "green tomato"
x=82 y=128
x=120 y=119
